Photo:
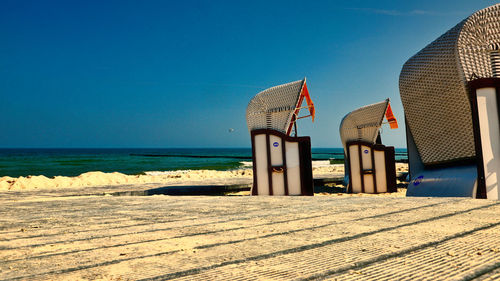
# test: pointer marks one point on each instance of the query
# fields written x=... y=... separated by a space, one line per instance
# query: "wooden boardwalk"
x=58 y=236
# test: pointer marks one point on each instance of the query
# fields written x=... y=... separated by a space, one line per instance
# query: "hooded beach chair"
x=370 y=166
x=281 y=163
x=449 y=92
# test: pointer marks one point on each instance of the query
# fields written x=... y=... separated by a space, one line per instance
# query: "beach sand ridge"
x=191 y=177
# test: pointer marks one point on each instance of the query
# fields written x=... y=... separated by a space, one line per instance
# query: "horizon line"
x=232 y=147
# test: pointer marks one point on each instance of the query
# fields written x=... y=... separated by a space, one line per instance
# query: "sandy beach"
x=190 y=177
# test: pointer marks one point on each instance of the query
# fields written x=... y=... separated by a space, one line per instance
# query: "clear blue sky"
x=181 y=73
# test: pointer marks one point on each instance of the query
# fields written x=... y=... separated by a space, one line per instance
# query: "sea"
x=50 y=162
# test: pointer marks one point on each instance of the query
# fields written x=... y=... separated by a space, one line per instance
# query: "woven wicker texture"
x=363 y=123
x=433 y=86
x=273 y=108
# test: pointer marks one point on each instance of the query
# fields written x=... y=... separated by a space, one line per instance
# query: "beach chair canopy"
x=433 y=86
x=363 y=124
x=277 y=108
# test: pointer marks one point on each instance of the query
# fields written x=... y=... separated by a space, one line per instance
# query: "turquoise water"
x=73 y=162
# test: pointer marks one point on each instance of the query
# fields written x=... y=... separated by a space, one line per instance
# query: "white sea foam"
x=161 y=173
x=246 y=164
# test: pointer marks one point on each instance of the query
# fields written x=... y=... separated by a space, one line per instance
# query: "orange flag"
x=310 y=104
x=390 y=117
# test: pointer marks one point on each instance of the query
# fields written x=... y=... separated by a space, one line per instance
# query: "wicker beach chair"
x=281 y=163
x=370 y=166
x=451 y=120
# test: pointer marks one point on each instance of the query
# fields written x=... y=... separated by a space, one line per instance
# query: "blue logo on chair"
x=366 y=151
x=275 y=144
x=418 y=180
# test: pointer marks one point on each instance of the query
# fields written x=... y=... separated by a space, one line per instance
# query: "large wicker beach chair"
x=369 y=166
x=281 y=163
x=448 y=90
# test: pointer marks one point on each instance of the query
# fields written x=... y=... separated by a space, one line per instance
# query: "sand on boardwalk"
x=194 y=177
x=248 y=238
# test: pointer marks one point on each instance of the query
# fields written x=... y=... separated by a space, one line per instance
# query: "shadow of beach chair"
x=281 y=163
x=370 y=166
x=449 y=92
